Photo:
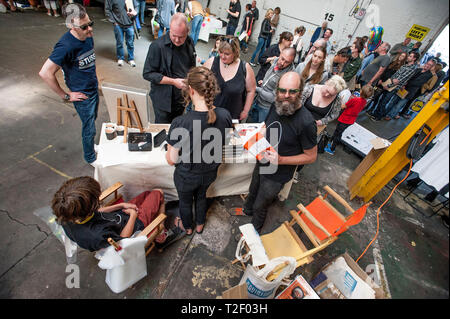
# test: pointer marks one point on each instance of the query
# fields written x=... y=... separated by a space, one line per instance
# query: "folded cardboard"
x=379 y=147
x=236 y=292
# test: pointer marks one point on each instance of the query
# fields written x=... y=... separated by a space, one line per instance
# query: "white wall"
x=395 y=16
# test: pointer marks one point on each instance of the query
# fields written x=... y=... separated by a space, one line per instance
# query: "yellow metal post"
x=392 y=161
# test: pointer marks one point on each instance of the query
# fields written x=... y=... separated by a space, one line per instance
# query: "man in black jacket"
x=122 y=17
x=168 y=61
x=420 y=77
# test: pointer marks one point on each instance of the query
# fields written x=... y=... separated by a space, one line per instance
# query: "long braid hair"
x=203 y=81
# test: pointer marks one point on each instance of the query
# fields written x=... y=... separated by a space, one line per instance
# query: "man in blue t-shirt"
x=74 y=54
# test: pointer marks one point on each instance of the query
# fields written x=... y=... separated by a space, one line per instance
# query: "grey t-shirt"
x=382 y=61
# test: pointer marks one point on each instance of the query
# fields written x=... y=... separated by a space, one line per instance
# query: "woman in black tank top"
x=236 y=93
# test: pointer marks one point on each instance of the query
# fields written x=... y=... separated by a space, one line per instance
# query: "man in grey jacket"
x=122 y=17
x=266 y=92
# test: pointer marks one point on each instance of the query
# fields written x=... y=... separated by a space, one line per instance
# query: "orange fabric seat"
x=325 y=216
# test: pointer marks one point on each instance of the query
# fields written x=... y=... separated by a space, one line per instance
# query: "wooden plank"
x=119 y=112
x=313 y=219
x=315 y=241
x=153 y=225
x=110 y=190
x=338 y=198
x=138 y=118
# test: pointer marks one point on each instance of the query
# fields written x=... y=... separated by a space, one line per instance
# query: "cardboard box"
x=236 y=292
x=379 y=147
x=328 y=290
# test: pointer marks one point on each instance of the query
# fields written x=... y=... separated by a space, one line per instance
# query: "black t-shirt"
x=298 y=133
x=236 y=7
x=317 y=112
x=181 y=62
x=189 y=132
x=94 y=234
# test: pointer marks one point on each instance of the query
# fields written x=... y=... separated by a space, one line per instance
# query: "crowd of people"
x=300 y=88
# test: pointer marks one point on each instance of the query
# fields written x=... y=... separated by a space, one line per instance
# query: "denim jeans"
x=129 y=39
x=196 y=26
x=258 y=113
x=161 y=31
x=379 y=111
x=397 y=105
x=260 y=47
x=262 y=192
x=140 y=9
x=191 y=189
x=231 y=29
x=87 y=110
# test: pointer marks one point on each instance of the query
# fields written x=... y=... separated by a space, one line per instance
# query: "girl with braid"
x=195 y=143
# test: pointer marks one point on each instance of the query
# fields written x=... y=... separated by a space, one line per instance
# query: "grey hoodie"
x=267 y=91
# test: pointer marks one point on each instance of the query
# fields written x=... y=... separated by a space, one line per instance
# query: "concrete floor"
x=40 y=148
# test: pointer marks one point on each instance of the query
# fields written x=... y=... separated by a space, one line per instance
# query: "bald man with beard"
x=294 y=127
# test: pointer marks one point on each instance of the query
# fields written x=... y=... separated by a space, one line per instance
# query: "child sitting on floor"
x=77 y=208
x=348 y=116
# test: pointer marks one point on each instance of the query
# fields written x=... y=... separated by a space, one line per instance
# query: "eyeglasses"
x=85 y=26
x=291 y=91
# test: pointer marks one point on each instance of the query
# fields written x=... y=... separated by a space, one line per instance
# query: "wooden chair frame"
x=151 y=231
x=306 y=256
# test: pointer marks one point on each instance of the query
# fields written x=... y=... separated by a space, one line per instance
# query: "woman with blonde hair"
x=324 y=103
x=189 y=141
x=236 y=79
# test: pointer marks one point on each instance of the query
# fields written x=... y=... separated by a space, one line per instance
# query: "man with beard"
x=294 y=129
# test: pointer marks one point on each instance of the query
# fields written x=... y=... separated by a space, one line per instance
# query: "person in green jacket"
x=354 y=63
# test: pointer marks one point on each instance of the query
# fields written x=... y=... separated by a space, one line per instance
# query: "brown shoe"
x=387 y=118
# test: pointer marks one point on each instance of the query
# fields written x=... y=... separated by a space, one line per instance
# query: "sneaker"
x=373 y=118
x=328 y=150
x=93 y=164
x=49 y=14
x=132 y=63
x=56 y=15
x=119 y=62
x=252 y=64
x=387 y=118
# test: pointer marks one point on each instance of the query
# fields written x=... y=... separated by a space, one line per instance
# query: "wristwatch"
x=66 y=97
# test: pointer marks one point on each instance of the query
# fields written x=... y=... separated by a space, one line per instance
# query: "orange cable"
x=378 y=211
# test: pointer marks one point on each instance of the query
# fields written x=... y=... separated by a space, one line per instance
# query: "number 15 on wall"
x=329 y=17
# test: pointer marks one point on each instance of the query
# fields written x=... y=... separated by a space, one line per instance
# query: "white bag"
x=251 y=237
x=258 y=287
x=127 y=266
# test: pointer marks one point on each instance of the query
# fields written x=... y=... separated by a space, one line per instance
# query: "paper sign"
x=417 y=32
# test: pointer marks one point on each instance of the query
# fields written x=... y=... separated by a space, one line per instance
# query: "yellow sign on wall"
x=417 y=32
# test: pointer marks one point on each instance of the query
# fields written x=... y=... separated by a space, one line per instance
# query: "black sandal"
x=199 y=232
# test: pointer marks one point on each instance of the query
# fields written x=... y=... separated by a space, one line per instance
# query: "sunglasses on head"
x=85 y=26
x=228 y=40
x=291 y=91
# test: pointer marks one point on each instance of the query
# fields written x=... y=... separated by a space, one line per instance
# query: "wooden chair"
x=111 y=196
x=320 y=221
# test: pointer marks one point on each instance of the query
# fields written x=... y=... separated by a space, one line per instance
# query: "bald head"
x=178 y=29
x=286 y=58
x=290 y=80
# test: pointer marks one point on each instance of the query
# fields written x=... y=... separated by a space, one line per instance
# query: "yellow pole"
x=392 y=161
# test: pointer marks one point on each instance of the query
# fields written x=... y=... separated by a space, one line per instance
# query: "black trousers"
x=191 y=189
x=164 y=117
x=336 y=139
x=262 y=192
